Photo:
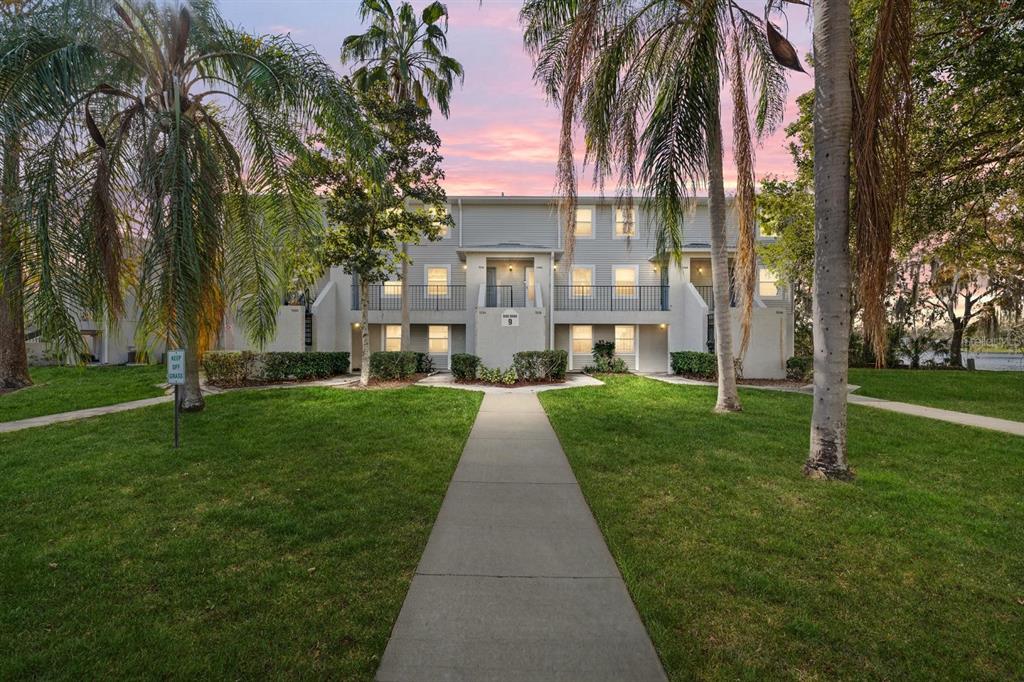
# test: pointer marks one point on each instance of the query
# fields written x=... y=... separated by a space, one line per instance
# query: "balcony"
x=421 y=297
x=708 y=294
x=611 y=297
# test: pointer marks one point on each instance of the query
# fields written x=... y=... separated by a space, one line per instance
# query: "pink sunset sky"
x=502 y=134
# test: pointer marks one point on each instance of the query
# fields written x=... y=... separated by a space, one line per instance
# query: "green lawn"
x=278 y=542
x=62 y=389
x=995 y=394
x=743 y=569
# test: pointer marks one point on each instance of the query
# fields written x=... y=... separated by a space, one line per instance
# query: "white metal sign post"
x=176 y=377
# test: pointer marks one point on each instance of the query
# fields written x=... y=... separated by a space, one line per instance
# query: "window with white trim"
x=392 y=337
x=625 y=339
x=582 y=339
x=625 y=222
x=767 y=283
x=437 y=280
x=626 y=280
x=393 y=288
x=437 y=338
x=583 y=280
x=585 y=222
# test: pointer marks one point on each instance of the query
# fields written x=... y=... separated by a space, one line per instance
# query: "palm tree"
x=42 y=59
x=193 y=163
x=644 y=80
x=408 y=55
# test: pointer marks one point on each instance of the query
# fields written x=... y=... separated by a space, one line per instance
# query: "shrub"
x=389 y=365
x=464 y=366
x=695 y=363
x=603 y=365
x=239 y=368
x=800 y=368
x=227 y=368
x=497 y=375
x=603 y=349
x=424 y=363
x=540 y=365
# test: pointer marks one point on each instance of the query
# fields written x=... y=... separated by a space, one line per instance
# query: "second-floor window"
x=437 y=280
x=393 y=337
x=767 y=283
x=625 y=281
x=585 y=222
x=582 y=280
x=625 y=223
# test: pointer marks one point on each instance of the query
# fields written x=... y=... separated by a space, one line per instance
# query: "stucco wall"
x=496 y=344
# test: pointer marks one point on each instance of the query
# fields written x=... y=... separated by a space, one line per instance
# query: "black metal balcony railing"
x=505 y=296
x=611 y=297
x=421 y=297
x=708 y=294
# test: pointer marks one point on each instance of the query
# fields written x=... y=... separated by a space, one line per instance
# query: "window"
x=393 y=288
x=437 y=280
x=625 y=222
x=393 y=337
x=582 y=339
x=625 y=281
x=437 y=338
x=767 y=283
x=583 y=280
x=625 y=339
x=585 y=222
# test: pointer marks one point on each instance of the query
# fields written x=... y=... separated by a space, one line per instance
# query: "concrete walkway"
x=516 y=582
x=964 y=418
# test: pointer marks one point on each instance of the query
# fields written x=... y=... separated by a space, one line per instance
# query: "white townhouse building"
x=499 y=282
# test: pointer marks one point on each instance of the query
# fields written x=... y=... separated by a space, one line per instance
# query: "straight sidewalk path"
x=516 y=582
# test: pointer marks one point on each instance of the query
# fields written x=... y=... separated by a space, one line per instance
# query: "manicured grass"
x=743 y=569
x=62 y=389
x=278 y=542
x=995 y=394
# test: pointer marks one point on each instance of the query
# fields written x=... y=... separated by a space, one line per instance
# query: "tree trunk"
x=406 y=327
x=364 y=329
x=833 y=114
x=728 y=397
x=956 y=344
x=13 y=351
x=192 y=394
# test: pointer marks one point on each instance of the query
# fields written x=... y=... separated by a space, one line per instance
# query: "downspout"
x=551 y=303
x=460 y=222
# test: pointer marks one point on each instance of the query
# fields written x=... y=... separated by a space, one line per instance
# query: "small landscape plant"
x=540 y=365
x=497 y=375
x=603 y=365
x=800 y=368
x=392 y=365
x=464 y=366
x=695 y=363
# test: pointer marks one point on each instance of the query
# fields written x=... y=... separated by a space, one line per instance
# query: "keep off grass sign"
x=509 y=318
x=176 y=367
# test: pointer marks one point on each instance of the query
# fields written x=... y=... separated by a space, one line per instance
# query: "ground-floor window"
x=582 y=338
x=437 y=338
x=393 y=337
x=625 y=339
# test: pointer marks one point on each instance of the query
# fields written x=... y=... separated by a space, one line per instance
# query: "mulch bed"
x=518 y=384
x=778 y=383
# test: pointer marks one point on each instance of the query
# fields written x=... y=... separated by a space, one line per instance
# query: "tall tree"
x=644 y=80
x=42 y=60
x=372 y=211
x=406 y=53
x=833 y=128
x=194 y=163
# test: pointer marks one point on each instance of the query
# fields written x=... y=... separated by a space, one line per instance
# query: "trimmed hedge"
x=424 y=363
x=603 y=349
x=695 y=363
x=389 y=365
x=540 y=365
x=240 y=368
x=800 y=368
x=605 y=365
x=465 y=366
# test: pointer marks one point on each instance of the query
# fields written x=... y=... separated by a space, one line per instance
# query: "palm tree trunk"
x=13 y=351
x=406 y=327
x=833 y=114
x=728 y=397
x=364 y=330
x=192 y=394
